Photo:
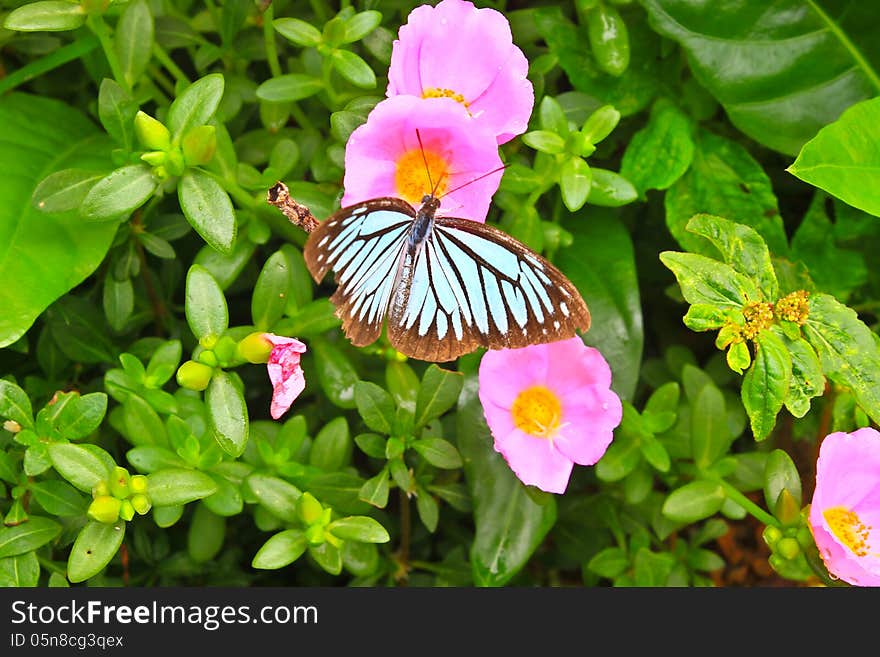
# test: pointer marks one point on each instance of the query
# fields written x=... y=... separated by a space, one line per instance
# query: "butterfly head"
x=430 y=202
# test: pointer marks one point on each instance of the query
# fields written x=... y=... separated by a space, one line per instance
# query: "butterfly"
x=445 y=285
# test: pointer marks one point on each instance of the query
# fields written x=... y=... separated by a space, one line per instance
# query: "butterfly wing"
x=363 y=244
x=472 y=285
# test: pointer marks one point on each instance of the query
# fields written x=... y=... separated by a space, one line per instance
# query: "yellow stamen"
x=849 y=529
x=537 y=411
x=411 y=178
x=434 y=92
x=794 y=307
x=758 y=316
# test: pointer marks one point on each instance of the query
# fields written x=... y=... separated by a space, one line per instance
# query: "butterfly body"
x=445 y=285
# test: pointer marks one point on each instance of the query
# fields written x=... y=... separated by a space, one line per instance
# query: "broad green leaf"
x=133 y=40
x=27 y=536
x=724 y=180
x=81 y=416
x=45 y=254
x=65 y=190
x=22 y=570
x=575 y=181
x=208 y=208
x=428 y=510
x=117 y=110
x=361 y=24
x=742 y=248
x=119 y=193
x=59 y=498
x=609 y=563
x=847 y=349
x=663 y=400
x=438 y=393
x=297 y=31
x=174 y=487
x=509 y=525
x=228 y=413
x=79 y=330
x=336 y=374
x=544 y=141
x=95 y=545
x=655 y=453
x=196 y=104
x=707 y=281
x=277 y=495
x=807 y=380
x=332 y=447
x=149 y=458
x=704 y=317
x=375 y=406
x=780 y=473
x=660 y=153
x=206 y=533
x=46 y=16
x=327 y=557
x=694 y=501
x=166 y=516
x=781 y=70
x=403 y=384
x=206 y=311
x=438 y=452
x=15 y=405
x=710 y=438
x=280 y=550
x=142 y=423
x=609 y=189
x=765 y=385
x=601 y=264
x=270 y=292
x=359 y=528
x=353 y=68
x=375 y=490
x=621 y=457
x=289 y=88
x=226 y=267
x=80 y=466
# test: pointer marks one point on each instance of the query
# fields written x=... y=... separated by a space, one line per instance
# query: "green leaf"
x=327 y=557
x=375 y=490
x=208 y=208
x=403 y=384
x=609 y=39
x=65 y=190
x=438 y=452
x=610 y=190
x=807 y=380
x=280 y=550
x=353 y=68
x=710 y=438
x=655 y=453
x=847 y=348
x=133 y=39
x=117 y=110
x=15 y=405
x=428 y=510
x=206 y=535
x=166 y=516
x=765 y=385
x=289 y=88
x=621 y=457
x=777 y=94
x=81 y=416
x=509 y=525
x=661 y=152
x=278 y=496
x=45 y=254
x=361 y=24
x=206 y=311
x=575 y=181
x=359 y=528
x=196 y=104
x=601 y=264
x=332 y=447
x=149 y=458
x=544 y=141
x=742 y=248
x=176 y=486
x=780 y=473
x=78 y=465
x=78 y=329
x=371 y=444
x=297 y=31
x=336 y=374
x=707 y=281
x=118 y=301
x=610 y=562
x=95 y=545
x=27 y=536
x=227 y=411
x=119 y=193
x=143 y=426
x=22 y=570
x=9 y=470
x=375 y=406
x=46 y=16
x=163 y=363
x=438 y=393
x=270 y=292
x=694 y=501
x=724 y=180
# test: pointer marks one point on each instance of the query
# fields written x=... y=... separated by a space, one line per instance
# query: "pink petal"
x=588 y=425
x=285 y=392
x=505 y=373
x=291 y=343
x=535 y=461
x=574 y=365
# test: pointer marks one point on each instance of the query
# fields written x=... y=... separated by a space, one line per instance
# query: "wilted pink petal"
x=549 y=406
x=456 y=51
x=383 y=157
x=845 y=510
x=285 y=373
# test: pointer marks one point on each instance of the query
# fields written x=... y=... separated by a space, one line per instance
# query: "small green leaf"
x=196 y=104
x=438 y=452
x=575 y=181
x=807 y=380
x=710 y=437
x=280 y=550
x=289 y=88
x=335 y=373
x=375 y=490
x=780 y=473
x=173 y=487
x=609 y=189
x=46 y=16
x=327 y=557
x=609 y=39
x=619 y=460
x=119 y=193
x=655 y=453
x=661 y=152
x=163 y=363
x=438 y=393
x=694 y=501
x=208 y=209
x=428 y=510
x=65 y=190
x=552 y=117
x=270 y=292
x=297 y=31
x=610 y=562
x=117 y=110
x=15 y=405
x=95 y=545
x=20 y=571
x=27 y=536
x=227 y=411
x=544 y=141
x=118 y=301
x=206 y=311
x=206 y=534
x=361 y=24
x=765 y=385
x=143 y=426
x=166 y=516
x=133 y=39
x=332 y=447
x=78 y=465
x=403 y=384
x=278 y=496
x=375 y=406
x=353 y=68
x=359 y=528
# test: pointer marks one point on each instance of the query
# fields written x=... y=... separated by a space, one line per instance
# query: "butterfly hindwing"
x=363 y=245
x=472 y=285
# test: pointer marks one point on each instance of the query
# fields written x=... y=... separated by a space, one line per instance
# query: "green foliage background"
x=684 y=159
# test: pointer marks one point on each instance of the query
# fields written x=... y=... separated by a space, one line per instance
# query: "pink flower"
x=285 y=372
x=456 y=51
x=549 y=406
x=383 y=157
x=845 y=511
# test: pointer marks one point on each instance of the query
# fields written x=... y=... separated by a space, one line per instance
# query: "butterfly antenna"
x=485 y=175
x=425 y=160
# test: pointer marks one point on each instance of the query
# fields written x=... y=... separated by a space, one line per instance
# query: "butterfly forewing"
x=472 y=285
x=363 y=244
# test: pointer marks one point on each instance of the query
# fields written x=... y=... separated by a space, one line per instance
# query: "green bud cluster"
x=168 y=155
x=316 y=519
x=119 y=496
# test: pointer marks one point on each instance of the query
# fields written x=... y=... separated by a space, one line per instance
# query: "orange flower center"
x=537 y=411
x=849 y=529
x=434 y=92
x=411 y=178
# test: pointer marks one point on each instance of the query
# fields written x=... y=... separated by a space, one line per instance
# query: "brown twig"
x=296 y=213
